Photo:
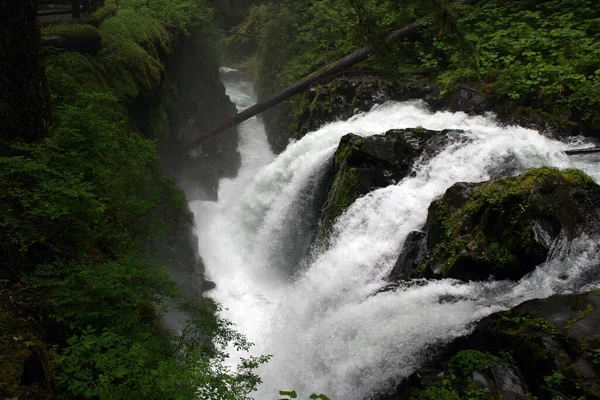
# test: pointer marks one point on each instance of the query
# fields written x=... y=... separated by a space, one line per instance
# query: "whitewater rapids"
x=326 y=330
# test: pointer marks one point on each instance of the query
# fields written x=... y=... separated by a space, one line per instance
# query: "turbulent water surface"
x=316 y=312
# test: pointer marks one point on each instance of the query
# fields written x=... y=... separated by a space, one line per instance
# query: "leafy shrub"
x=79 y=209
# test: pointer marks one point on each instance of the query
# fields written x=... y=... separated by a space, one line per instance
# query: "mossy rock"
x=98 y=16
x=463 y=375
x=542 y=349
x=361 y=165
x=506 y=227
x=79 y=37
x=339 y=99
x=554 y=341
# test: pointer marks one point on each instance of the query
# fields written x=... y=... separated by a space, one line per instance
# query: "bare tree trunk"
x=351 y=59
x=582 y=151
x=86 y=8
x=75 y=9
x=24 y=98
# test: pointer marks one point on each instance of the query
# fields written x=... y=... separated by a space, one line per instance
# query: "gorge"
x=319 y=309
x=419 y=223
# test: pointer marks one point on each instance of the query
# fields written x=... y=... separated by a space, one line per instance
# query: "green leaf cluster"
x=80 y=208
x=296 y=38
x=539 y=53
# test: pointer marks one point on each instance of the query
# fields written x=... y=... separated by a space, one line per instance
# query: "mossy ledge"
x=505 y=227
x=542 y=349
x=363 y=164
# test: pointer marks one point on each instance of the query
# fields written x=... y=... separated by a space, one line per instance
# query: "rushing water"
x=326 y=330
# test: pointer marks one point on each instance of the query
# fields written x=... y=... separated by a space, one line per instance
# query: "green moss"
x=72 y=30
x=352 y=145
x=470 y=361
x=590 y=308
x=98 y=16
x=158 y=121
x=495 y=225
x=344 y=191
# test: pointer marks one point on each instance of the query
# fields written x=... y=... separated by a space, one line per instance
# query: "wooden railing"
x=76 y=8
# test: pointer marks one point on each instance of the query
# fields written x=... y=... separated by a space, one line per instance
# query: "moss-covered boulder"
x=82 y=38
x=339 y=99
x=361 y=165
x=554 y=341
x=467 y=374
x=98 y=16
x=506 y=227
x=542 y=349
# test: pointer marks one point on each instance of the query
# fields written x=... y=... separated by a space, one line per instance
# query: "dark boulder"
x=208 y=285
x=361 y=165
x=339 y=99
x=506 y=227
x=464 y=374
x=413 y=252
x=543 y=349
x=554 y=341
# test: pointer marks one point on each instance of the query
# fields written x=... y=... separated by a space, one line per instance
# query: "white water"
x=326 y=330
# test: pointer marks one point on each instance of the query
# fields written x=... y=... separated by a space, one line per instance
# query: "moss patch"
x=72 y=30
x=493 y=232
x=98 y=16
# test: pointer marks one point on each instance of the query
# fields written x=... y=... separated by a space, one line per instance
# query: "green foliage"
x=539 y=53
x=472 y=360
x=138 y=365
x=293 y=395
x=595 y=356
x=295 y=38
x=555 y=380
x=80 y=207
x=452 y=387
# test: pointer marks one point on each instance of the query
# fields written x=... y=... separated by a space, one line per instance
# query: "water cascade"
x=316 y=311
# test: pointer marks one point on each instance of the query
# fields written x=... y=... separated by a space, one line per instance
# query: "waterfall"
x=327 y=331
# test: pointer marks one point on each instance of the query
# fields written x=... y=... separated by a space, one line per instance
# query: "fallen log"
x=582 y=151
x=351 y=59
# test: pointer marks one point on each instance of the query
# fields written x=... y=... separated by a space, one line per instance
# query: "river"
x=315 y=311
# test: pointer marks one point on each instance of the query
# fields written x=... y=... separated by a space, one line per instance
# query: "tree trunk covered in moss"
x=24 y=96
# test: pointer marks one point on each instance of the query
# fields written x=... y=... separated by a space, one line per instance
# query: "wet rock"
x=413 y=252
x=463 y=374
x=361 y=165
x=508 y=381
x=467 y=99
x=339 y=99
x=554 y=342
x=506 y=227
x=208 y=285
x=541 y=349
x=200 y=104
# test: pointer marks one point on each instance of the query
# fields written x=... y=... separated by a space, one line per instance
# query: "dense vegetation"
x=80 y=208
x=538 y=57
x=81 y=294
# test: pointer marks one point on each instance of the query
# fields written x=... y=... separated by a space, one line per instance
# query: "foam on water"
x=326 y=330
